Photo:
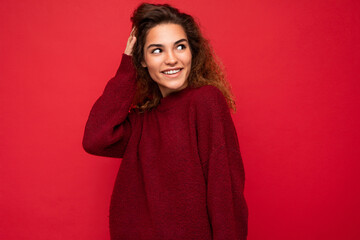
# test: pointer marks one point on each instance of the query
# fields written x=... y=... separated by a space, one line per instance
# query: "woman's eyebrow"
x=160 y=45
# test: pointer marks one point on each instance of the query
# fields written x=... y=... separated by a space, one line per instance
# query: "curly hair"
x=206 y=67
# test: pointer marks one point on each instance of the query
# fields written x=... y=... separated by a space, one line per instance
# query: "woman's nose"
x=170 y=58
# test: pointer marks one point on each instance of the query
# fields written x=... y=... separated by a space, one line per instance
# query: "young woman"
x=166 y=112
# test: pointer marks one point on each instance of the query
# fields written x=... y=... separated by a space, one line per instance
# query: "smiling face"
x=167 y=57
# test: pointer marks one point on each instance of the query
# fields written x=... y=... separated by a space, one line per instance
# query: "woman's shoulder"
x=210 y=105
x=208 y=89
x=208 y=95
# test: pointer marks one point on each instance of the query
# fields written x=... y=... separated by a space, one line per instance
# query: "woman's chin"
x=169 y=88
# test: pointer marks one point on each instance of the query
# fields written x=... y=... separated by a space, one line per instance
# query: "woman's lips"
x=173 y=75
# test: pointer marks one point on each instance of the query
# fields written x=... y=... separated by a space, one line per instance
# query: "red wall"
x=294 y=68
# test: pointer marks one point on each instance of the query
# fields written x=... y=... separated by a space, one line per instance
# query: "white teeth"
x=171 y=72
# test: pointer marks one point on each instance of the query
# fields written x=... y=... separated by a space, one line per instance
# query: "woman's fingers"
x=130 y=43
x=132 y=31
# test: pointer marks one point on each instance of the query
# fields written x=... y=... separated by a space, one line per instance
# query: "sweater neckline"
x=170 y=100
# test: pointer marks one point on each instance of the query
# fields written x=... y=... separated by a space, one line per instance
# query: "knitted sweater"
x=181 y=175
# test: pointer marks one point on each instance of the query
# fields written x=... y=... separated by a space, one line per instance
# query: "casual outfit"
x=181 y=175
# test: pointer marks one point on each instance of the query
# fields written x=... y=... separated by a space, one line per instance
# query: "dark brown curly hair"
x=206 y=68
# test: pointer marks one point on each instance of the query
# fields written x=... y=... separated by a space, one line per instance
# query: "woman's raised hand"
x=130 y=43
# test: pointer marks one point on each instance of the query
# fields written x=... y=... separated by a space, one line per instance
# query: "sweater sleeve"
x=108 y=128
x=222 y=166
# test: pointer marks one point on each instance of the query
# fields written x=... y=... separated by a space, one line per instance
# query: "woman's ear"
x=143 y=64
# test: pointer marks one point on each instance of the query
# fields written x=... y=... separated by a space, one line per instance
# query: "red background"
x=294 y=68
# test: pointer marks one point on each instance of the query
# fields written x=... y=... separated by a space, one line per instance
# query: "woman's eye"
x=181 y=46
x=157 y=50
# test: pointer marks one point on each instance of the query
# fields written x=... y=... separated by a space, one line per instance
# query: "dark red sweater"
x=182 y=175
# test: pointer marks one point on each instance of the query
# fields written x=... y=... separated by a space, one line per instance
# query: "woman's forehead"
x=165 y=34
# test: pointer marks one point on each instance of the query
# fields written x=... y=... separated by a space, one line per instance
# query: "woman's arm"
x=108 y=128
x=222 y=166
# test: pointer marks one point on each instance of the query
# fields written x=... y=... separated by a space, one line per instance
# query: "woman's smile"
x=172 y=73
